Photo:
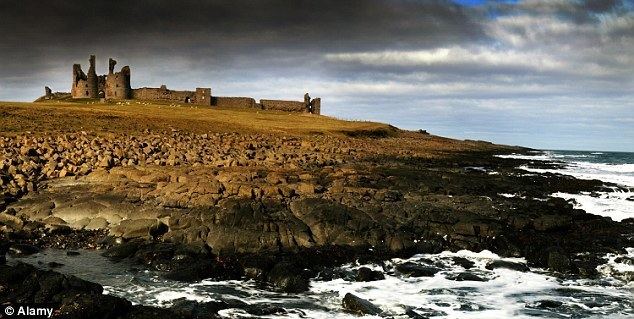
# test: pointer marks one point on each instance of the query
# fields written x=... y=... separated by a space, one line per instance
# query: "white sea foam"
x=537 y=157
x=506 y=294
x=614 y=205
x=619 y=174
x=617 y=205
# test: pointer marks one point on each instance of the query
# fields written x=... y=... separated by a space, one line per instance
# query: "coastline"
x=278 y=207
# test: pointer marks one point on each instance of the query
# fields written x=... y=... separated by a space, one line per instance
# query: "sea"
x=612 y=167
x=503 y=293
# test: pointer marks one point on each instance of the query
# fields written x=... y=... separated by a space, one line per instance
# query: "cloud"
x=483 y=57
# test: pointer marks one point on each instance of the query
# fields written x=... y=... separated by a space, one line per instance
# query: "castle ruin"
x=116 y=86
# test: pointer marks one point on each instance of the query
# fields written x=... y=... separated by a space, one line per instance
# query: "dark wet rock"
x=333 y=223
x=415 y=270
x=587 y=268
x=265 y=310
x=23 y=249
x=122 y=251
x=288 y=277
x=466 y=276
x=360 y=306
x=4 y=248
x=624 y=260
x=93 y=306
x=72 y=253
x=329 y=274
x=367 y=274
x=195 y=271
x=144 y=312
x=195 y=310
x=559 y=261
x=495 y=264
x=179 y=262
x=547 y=304
x=463 y=262
x=73 y=298
x=471 y=307
x=53 y=264
x=423 y=313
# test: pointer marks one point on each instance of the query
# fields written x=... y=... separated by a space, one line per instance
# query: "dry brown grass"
x=138 y=116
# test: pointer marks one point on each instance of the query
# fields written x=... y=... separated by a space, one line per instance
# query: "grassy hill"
x=127 y=116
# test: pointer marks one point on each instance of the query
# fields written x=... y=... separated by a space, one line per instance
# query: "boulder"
x=359 y=306
x=333 y=223
x=463 y=262
x=288 y=277
x=97 y=223
x=23 y=250
x=495 y=264
x=139 y=228
x=415 y=270
x=11 y=221
x=367 y=274
x=559 y=261
x=466 y=276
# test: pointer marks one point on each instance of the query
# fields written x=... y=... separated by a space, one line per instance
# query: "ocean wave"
x=617 y=205
x=610 y=204
x=502 y=293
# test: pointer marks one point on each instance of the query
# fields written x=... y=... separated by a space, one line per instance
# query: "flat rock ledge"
x=232 y=195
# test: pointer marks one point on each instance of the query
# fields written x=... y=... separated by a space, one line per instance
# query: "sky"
x=550 y=74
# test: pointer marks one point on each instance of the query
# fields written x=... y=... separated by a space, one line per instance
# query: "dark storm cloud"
x=237 y=23
x=242 y=34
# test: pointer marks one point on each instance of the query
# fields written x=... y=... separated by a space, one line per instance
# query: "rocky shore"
x=278 y=209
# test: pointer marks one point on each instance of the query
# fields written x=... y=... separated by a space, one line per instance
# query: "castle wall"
x=80 y=89
x=287 y=106
x=233 y=102
x=164 y=94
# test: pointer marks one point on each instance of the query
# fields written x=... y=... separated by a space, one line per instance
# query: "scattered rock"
x=367 y=274
x=11 y=221
x=559 y=261
x=359 y=306
x=495 y=264
x=463 y=262
x=548 y=304
x=23 y=250
x=287 y=277
x=123 y=250
x=466 y=276
x=415 y=270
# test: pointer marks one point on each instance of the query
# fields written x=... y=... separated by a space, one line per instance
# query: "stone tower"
x=203 y=96
x=118 y=83
x=80 y=83
x=93 y=81
x=85 y=86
